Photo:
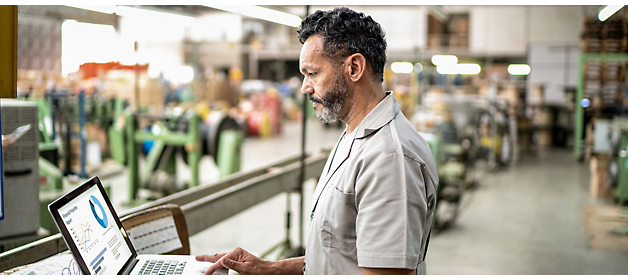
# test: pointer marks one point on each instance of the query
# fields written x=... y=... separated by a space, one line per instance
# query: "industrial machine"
x=163 y=137
x=21 y=170
x=452 y=176
x=69 y=114
x=60 y=117
x=618 y=164
x=495 y=137
x=446 y=122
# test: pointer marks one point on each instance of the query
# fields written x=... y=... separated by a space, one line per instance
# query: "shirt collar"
x=381 y=115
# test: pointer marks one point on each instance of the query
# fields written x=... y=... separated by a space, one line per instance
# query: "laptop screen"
x=95 y=233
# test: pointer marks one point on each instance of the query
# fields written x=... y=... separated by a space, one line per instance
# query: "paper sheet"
x=155 y=237
x=60 y=264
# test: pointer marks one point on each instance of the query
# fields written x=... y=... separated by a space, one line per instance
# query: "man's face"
x=324 y=84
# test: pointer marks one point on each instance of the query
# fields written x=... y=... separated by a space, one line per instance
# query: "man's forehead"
x=312 y=48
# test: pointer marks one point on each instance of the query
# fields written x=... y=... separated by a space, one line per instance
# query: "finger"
x=235 y=265
x=214 y=267
x=210 y=258
x=228 y=263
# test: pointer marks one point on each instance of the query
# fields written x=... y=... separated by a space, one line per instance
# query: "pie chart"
x=102 y=218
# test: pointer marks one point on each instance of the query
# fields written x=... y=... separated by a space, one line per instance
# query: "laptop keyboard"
x=162 y=267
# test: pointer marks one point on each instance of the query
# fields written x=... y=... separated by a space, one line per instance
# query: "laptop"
x=100 y=245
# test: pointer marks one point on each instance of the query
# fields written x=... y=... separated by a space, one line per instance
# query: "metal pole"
x=137 y=80
x=132 y=157
x=302 y=175
x=579 y=119
x=82 y=132
x=194 y=149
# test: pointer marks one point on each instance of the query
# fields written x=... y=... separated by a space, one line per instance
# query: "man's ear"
x=356 y=66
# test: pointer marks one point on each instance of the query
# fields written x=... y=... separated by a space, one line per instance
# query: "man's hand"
x=239 y=260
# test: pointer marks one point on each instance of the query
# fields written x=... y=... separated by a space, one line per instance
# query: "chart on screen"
x=84 y=235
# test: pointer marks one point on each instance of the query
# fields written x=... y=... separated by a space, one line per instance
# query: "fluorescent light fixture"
x=608 y=11
x=105 y=9
x=418 y=67
x=446 y=69
x=127 y=11
x=444 y=59
x=261 y=13
x=519 y=69
x=462 y=68
x=402 y=67
x=468 y=68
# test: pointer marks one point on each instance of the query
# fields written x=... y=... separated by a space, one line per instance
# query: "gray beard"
x=334 y=101
x=330 y=114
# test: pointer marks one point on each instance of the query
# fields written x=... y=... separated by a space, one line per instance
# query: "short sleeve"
x=391 y=212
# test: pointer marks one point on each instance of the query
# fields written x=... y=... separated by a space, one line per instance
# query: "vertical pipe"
x=82 y=132
x=195 y=149
x=132 y=156
x=302 y=172
x=137 y=80
x=52 y=113
x=579 y=119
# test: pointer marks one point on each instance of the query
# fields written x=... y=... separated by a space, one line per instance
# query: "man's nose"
x=306 y=88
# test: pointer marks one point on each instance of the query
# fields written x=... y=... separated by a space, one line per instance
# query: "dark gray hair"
x=346 y=32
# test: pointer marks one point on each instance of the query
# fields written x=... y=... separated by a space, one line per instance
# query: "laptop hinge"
x=131 y=265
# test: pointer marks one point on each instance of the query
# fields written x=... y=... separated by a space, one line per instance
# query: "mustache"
x=314 y=99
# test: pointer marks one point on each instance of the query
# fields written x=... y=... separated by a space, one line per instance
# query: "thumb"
x=231 y=264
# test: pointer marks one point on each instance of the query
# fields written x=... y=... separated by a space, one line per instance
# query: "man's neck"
x=361 y=104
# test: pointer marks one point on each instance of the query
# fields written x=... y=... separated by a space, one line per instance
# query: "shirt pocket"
x=339 y=223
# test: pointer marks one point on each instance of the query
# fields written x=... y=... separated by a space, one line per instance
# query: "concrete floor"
x=526 y=219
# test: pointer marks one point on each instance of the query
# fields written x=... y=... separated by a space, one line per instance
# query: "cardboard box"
x=598 y=186
x=544 y=137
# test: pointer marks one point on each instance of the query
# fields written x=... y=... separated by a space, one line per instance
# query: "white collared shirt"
x=374 y=206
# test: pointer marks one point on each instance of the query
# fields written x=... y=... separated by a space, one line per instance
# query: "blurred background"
x=524 y=108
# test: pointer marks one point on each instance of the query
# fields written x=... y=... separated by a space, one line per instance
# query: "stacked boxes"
x=603 y=81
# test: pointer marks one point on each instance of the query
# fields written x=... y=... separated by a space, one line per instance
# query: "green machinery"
x=59 y=111
x=618 y=165
x=185 y=134
x=452 y=174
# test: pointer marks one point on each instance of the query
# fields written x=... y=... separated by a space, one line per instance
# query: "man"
x=373 y=206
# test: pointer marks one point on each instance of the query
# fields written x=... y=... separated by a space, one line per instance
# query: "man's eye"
x=312 y=74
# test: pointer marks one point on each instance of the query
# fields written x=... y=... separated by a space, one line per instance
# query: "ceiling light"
x=468 y=68
x=444 y=59
x=156 y=15
x=608 y=11
x=446 y=69
x=519 y=69
x=462 y=68
x=105 y=9
x=261 y=13
x=127 y=11
x=402 y=67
